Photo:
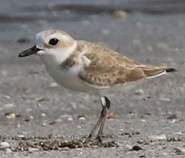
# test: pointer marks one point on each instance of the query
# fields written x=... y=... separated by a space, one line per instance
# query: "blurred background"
x=117 y=23
x=148 y=31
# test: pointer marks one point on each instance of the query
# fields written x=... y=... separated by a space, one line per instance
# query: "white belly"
x=70 y=80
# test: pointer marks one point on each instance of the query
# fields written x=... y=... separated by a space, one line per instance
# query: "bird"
x=91 y=68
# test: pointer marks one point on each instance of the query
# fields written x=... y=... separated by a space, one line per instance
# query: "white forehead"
x=45 y=36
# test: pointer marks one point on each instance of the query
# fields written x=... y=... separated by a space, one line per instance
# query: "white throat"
x=57 y=56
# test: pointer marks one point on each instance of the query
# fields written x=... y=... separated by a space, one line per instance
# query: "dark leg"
x=104 y=113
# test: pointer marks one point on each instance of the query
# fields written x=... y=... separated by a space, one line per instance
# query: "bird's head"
x=52 y=45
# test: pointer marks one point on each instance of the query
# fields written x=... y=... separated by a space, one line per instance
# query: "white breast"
x=69 y=78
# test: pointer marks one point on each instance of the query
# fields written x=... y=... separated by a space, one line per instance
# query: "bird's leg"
x=104 y=113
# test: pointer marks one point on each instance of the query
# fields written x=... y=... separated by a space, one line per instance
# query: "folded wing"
x=109 y=68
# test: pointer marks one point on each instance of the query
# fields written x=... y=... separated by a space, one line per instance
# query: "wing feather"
x=108 y=68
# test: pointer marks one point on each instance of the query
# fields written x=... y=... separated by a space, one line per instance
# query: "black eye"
x=53 y=41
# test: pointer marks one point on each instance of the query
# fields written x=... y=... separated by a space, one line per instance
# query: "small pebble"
x=31 y=117
x=8 y=150
x=44 y=124
x=18 y=125
x=27 y=120
x=165 y=154
x=179 y=133
x=82 y=115
x=128 y=147
x=58 y=120
x=52 y=85
x=120 y=14
x=41 y=99
x=158 y=137
x=43 y=114
x=172 y=117
x=81 y=118
x=30 y=149
x=53 y=123
x=4 y=145
x=165 y=99
x=173 y=121
x=18 y=115
x=111 y=116
x=143 y=120
x=10 y=115
x=179 y=151
x=137 y=148
x=21 y=136
x=7 y=96
x=139 y=92
x=70 y=119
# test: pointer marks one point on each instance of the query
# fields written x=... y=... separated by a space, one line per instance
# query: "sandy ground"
x=45 y=112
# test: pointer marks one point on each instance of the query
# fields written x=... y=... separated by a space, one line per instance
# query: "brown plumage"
x=109 y=68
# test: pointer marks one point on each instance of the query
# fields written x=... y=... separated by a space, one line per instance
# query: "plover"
x=87 y=67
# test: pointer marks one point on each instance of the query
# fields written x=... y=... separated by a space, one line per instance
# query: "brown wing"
x=109 y=68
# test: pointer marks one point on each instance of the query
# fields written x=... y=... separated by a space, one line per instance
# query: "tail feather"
x=170 y=70
x=157 y=71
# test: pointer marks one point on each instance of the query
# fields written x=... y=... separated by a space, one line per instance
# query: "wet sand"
x=34 y=110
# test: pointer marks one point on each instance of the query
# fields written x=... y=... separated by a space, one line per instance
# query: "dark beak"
x=30 y=51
